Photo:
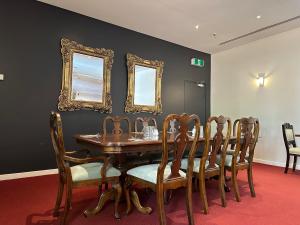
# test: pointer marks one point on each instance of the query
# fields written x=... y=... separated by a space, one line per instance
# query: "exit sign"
x=197 y=62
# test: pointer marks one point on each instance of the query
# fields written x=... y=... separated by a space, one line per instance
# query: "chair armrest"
x=87 y=159
x=86 y=151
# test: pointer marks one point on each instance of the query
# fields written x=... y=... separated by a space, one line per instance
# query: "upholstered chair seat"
x=228 y=160
x=91 y=171
x=295 y=150
x=149 y=172
x=184 y=164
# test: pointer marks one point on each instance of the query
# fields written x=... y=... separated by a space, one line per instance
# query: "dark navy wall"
x=30 y=58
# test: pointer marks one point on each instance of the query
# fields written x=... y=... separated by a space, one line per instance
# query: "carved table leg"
x=105 y=196
x=136 y=202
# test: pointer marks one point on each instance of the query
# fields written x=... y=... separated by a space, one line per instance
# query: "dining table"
x=128 y=150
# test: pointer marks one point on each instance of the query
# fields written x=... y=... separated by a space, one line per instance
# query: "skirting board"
x=272 y=163
x=12 y=176
x=55 y=171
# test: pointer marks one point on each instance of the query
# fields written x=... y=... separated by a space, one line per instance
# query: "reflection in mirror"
x=144 y=85
x=87 y=78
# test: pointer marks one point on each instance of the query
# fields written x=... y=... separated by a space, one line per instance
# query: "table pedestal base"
x=132 y=196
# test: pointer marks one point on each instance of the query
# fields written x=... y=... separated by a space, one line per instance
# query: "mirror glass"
x=87 y=78
x=144 y=85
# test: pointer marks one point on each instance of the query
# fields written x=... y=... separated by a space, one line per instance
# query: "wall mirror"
x=144 y=85
x=86 y=77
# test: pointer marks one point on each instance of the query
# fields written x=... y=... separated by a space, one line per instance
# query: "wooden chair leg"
x=196 y=183
x=167 y=196
x=189 y=205
x=287 y=163
x=202 y=192
x=160 y=206
x=295 y=163
x=127 y=187
x=221 y=187
x=250 y=181
x=67 y=204
x=58 y=198
x=118 y=192
x=235 y=184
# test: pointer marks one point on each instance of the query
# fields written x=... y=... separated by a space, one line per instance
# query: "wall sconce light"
x=260 y=79
x=201 y=84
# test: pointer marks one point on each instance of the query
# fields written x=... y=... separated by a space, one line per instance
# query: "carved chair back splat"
x=247 y=135
x=116 y=120
x=145 y=121
x=181 y=141
x=219 y=142
x=56 y=134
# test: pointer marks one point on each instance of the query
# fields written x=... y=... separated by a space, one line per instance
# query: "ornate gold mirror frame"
x=89 y=79
x=135 y=63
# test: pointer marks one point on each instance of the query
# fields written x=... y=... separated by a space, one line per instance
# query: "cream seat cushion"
x=149 y=172
x=184 y=164
x=91 y=171
x=295 y=150
x=228 y=159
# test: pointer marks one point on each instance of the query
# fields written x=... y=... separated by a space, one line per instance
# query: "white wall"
x=235 y=93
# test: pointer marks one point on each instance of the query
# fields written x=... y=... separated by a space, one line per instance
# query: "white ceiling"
x=175 y=20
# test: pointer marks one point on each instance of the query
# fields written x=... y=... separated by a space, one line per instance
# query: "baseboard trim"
x=273 y=163
x=12 y=176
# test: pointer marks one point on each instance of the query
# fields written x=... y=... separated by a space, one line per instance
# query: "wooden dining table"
x=122 y=147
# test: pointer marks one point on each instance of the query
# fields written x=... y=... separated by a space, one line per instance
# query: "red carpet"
x=30 y=201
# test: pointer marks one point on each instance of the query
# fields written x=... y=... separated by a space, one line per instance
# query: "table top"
x=127 y=139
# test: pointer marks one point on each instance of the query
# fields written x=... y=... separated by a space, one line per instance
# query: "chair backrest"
x=145 y=121
x=288 y=136
x=56 y=134
x=216 y=143
x=234 y=132
x=234 y=127
x=116 y=120
x=179 y=141
x=247 y=135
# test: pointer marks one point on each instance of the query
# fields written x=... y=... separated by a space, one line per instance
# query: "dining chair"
x=89 y=171
x=145 y=121
x=215 y=147
x=242 y=155
x=290 y=145
x=164 y=176
x=116 y=120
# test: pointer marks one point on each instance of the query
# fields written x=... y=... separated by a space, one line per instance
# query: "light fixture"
x=260 y=79
x=197 y=27
x=201 y=84
x=258 y=17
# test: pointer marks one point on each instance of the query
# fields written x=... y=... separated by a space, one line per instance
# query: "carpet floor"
x=30 y=201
